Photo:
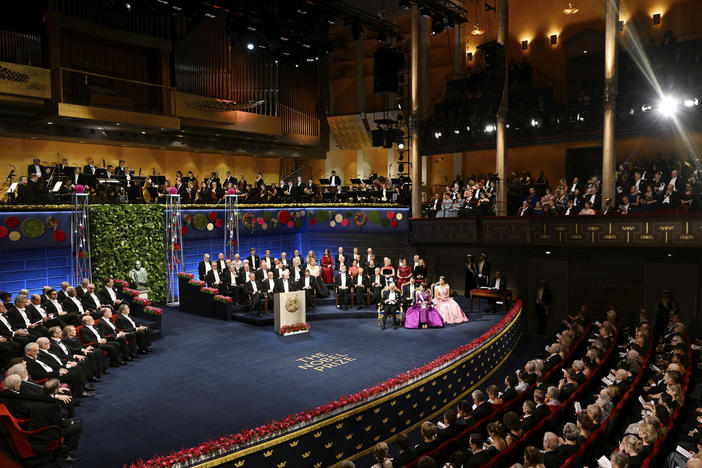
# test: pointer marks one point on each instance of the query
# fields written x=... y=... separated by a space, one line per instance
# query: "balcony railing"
x=95 y=90
x=20 y=48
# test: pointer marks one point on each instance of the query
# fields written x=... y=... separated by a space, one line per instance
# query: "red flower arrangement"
x=151 y=310
x=249 y=221
x=141 y=300
x=194 y=282
x=131 y=291
x=211 y=291
x=360 y=218
x=222 y=299
x=185 y=276
x=295 y=327
x=247 y=436
x=120 y=283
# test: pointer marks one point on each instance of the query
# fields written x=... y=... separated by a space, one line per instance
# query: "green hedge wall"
x=121 y=234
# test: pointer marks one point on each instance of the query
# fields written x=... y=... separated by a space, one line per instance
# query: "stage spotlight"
x=457 y=131
x=401 y=145
x=467 y=128
x=668 y=106
x=437 y=135
x=534 y=123
x=489 y=128
x=250 y=46
x=645 y=108
x=690 y=102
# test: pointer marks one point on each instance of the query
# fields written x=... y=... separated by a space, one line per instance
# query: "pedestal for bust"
x=289 y=309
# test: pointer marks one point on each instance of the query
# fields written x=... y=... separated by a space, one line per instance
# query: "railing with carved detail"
x=20 y=48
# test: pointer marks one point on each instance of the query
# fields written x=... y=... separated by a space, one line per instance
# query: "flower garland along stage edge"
x=122 y=234
x=295 y=328
x=9 y=208
x=233 y=442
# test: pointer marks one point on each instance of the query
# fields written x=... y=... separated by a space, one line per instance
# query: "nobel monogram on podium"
x=290 y=313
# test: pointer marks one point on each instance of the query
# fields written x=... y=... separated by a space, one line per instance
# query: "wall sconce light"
x=554 y=39
x=657 y=19
x=525 y=44
x=470 y=56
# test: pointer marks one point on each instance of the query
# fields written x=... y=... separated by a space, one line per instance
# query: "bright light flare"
x=668 y=106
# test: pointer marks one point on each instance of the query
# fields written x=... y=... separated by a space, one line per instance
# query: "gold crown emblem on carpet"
x=294 y=444
x=318 y=465
x=349 y=436
x=268 y=453
x=306 y=454
x=359 y=417
x=327 y=446
x=339 y=426
x=393 y=402
x=367 y=428
x=385 y=420
x=240 y=463
x=292 y=304
x=358 y=447
x=317 y=434
x=282 y=464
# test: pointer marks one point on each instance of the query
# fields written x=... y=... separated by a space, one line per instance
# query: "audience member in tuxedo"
x=17 y=404
x=334 y=179
x=143 y=334
x=307 y=284
x=82 y=289
x=300 y=258
x=92 y=366
x=108 y=295
x=110 y=331
x=450 y=428
x=340 y=258
x=286 y=283
x=296 y=270
x=253 y=289
x=406 y=454
x=91 y=302
x=482 y=272
x=510 y=393
x=221 y=263
x=204 y=267
x=37 y=312
x=19 y=318
x=66 y=429
x=62 y=294
x=482 y=407
x=429 y=442
x=78 y=374
x=39 y=369
x=541 y=411
x=408 y=290
x=91 y=336
x=376 y=284
x=342 y=284
x=11 y=334
x=360 y=289
x=213 y=277
x=73 y=305
x=32 y=191
x=34 y=392
x=499 y=284
x=529 y=421
x=391 y=299
x=479 y=456
x=254 y=261
x=269 y=285
x=233 y=285
x=96 y=358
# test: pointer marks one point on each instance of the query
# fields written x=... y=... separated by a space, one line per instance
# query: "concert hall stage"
x=209 y=378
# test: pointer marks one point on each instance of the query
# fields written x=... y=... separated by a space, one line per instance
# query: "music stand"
x=85 y=179
x=355 y=181
x=367 y=181
x=324 y=181
x=158 y=179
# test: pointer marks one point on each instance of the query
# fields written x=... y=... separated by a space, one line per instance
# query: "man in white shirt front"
x=307 y=284
x=253 y=289
x=342 y=283
x=213 y=278
x=391 y=305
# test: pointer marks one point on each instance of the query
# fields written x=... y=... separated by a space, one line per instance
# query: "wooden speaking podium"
x=289 y=308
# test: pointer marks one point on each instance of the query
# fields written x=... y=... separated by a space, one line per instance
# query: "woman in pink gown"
x=449 y=310
x=327 y=267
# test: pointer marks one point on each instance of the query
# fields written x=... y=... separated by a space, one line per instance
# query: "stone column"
x=501 y=122
x=609 y=153
x=416 y=43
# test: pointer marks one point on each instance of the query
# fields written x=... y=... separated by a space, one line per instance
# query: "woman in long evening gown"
x=404 y=273
x=420 y=271
x=327 y=268
x=449 y=310
x=422 y=314
x=388 y=271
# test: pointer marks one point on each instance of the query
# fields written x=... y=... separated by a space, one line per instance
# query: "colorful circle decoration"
x=3 y=232
x=210 y=227
x=332 y=223
x=390 y=214
x=313 y=221
x=187 y=218
x=212 y=216
x=183 y=230
x=249 y=221
x=11 y=222
x=33 y=228
x=298 y=223
x=264 y=226
x=322 y=216
x=283 y=216
x=359 y=219
x=393 y=223
x=15 y=236
x=199 y=221
x=374 y=216
x=399 y=216
x=347 y=214
x=338 y=217
x=59 y=236
x=345 y=222
x=385 y=222
x=267 y=215
x=274 y=223
x=260 y=220
x=301 y=213
x=52 y=223
x=291 y=224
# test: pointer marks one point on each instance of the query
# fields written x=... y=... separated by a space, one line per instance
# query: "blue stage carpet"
x=208 y=378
